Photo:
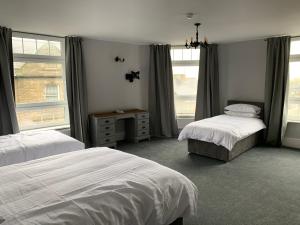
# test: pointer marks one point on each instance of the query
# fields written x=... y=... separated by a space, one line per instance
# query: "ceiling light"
x=196 y=43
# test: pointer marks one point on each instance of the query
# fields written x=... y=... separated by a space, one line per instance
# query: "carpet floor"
x=261 y=186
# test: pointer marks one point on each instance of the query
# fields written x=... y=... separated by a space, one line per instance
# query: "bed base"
x=178 y=221
x=221 y=153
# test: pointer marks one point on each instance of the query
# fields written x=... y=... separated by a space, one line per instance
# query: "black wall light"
x=132 y=75
x=118 y=59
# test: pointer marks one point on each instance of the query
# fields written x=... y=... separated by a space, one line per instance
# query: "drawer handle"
x=143 y=121
x=144 y=132
x=106 y=121
x=107 y=134
x=107 y=140
x=106 y=128
x=143 y=127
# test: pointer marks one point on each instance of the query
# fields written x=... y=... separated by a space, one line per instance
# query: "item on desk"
x=119 y=111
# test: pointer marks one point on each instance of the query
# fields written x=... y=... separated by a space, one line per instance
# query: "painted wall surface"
x=242 y=71
x=107 y=88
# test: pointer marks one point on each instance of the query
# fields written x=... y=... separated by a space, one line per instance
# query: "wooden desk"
x=105 y=132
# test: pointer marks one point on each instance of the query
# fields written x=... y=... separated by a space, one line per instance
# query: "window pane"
x=29 y=46
x=294 y=92
x=42 y=47
x=55 y=48
x=295 y=48
x=187 y=54
x=185 y=90
x=17 y=45
x=171 y=53
x=195 y=54
x=44 y=116
x=39 y=83
x=177 y=54
x=31 y=80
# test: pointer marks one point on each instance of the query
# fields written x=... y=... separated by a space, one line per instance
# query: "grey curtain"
x=161 y=93
x=8 y=116
x=278 y=53
x=208 y=99
x=77 y=90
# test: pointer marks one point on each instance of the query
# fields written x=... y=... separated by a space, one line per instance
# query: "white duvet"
x=222 y=130
x=31 y=145
x=97 y=186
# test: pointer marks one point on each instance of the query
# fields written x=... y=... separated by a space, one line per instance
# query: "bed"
x=224 y=137
x=31 y=145
x=96 y=186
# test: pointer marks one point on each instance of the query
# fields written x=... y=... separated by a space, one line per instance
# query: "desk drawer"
x=105 y=140
x=143 y=122
x=106 y=121
x=143 y=115
x=107 y=128
x=143 y=126
x=142 y=132
x=105 y=134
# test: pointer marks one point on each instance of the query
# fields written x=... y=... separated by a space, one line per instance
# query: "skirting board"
x=291 y=142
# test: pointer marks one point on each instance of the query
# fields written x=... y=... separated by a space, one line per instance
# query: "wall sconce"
x=132 y=75
x=118 y=59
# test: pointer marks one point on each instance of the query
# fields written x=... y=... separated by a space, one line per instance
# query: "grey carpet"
x=262 y=186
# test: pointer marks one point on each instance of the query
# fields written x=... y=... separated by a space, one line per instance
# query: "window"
x=51 y=93
x=294 y=82
x=185 y=64
x=39 y=66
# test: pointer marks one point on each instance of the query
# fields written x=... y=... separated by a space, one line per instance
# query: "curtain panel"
x=161 y=93
x=208 y=99
x=8 y=116
x=278 y=54
x=77 y=90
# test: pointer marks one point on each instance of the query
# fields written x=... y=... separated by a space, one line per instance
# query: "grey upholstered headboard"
x=259 y=104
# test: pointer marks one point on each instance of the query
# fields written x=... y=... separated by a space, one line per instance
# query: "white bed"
x=95 y=186
x=31 y=145
x=222 y=130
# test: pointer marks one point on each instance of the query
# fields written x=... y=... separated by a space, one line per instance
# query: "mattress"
x=31 y=145
x=95 y=186
x=222 y=130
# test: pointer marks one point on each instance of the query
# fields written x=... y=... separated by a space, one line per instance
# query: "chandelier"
x=196 y=43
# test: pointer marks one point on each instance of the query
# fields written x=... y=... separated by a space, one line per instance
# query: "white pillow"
x=247 y=108
x=241 y=114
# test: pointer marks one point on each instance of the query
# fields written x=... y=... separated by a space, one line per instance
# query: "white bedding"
x=222 y=130
x=97 y=186
x=31 y=145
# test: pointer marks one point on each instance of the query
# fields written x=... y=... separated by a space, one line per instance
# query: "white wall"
x=242 y=71
x=107 y=87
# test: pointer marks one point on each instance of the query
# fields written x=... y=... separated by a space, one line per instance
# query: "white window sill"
x=62 y=127
x=185 y=117
x=293 y=121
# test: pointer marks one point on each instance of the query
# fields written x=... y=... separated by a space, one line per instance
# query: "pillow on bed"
x=242 y=114
x=246 y=108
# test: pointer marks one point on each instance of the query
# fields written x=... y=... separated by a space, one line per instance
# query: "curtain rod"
x=296 y=36
x=22 y=32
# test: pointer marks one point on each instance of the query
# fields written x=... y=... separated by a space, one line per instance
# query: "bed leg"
x=178 y=221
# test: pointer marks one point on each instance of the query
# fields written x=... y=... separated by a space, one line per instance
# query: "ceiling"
x=154 y=21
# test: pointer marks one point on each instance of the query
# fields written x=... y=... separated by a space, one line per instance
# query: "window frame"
x=183 y=63
x=34 y=58
x=293 y=58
